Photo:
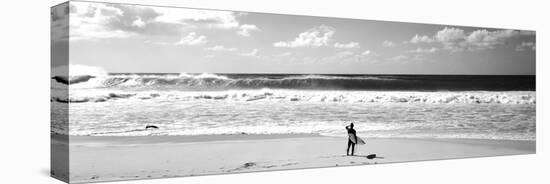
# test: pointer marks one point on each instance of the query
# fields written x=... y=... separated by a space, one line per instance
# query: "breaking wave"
x=206 y=82
x=468 y=97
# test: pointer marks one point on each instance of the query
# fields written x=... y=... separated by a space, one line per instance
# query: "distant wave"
x=206 y=81
x=470 y=97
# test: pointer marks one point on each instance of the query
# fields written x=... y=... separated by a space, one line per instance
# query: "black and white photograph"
x=144 y=92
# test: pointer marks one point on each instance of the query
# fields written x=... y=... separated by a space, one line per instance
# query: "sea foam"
x=268 y=95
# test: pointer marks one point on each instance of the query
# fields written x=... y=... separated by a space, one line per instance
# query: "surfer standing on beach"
x=352 y=140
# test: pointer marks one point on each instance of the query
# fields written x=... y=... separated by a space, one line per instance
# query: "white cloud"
x=252 y=53
x=449 y=35
x=318 y=36
x=524 y=45
x=350 y=45
x=208 y=18
x=244 y=30
x=138 y=23
x=420 y=50
x=483 y=39
x=192 y=39
x=387 y=43
x=314 y=37
x=421 y=39
x=456 y=39
x=367 y=52
x=220 y=48
x=91 y=20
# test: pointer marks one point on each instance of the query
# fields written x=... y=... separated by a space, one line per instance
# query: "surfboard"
x=353 y=138
x=356 y=139
x=360 y=141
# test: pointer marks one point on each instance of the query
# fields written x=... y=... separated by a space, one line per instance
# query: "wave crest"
x=473 y=97
x=209 y=82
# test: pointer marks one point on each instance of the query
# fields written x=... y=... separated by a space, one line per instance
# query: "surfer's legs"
x=349 y=145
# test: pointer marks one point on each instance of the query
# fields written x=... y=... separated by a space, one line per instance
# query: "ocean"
x=380 y=106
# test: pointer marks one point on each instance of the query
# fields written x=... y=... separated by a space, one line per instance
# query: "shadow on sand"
x=371 y=156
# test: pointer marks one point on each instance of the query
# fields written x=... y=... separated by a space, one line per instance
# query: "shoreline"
x=95 y=159
x=242 y=136
x=184 y=138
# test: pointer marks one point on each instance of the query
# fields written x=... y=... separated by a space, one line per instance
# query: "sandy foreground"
x=96 y=159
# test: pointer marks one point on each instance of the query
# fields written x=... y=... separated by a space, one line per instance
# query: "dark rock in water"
x=71 y=100
x=114 y=95
x=259 y=97
x=203 y=97
x=72 y=80
x=100 y=100
x=61 y=100
x=154 y=95
x=62 y=80
x=220 y=97
x=249 y=164
x=151 y=126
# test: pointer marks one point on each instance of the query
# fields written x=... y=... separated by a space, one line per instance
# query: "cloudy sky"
x=136 y=39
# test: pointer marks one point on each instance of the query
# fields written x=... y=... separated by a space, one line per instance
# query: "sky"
x=150 y=39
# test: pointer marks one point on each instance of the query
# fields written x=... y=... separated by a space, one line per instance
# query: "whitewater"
x=476 y=107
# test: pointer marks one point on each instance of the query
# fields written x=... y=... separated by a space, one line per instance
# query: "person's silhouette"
x=352 y=139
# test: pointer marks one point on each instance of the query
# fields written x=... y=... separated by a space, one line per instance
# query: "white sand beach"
x=96 y=159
